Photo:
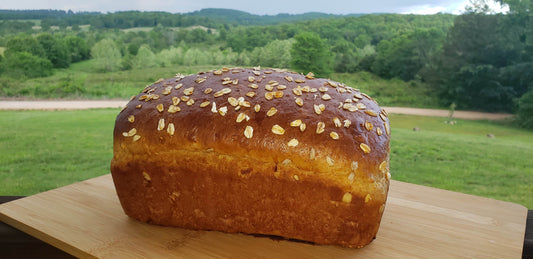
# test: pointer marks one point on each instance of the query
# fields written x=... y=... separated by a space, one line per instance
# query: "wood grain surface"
x=85 y=219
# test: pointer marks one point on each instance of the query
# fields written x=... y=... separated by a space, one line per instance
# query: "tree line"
x=477 y=60
x=130 y=19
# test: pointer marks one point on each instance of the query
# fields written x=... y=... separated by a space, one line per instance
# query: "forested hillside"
x=476 y=60
x=244 y=18
x=139 y=19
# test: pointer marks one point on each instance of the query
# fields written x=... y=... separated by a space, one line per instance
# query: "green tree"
x=171 y=56
x=405 y=55
x=163 y=58
x=487 y=60
x=345 y=57
x=230 y=57
x=524 y=114
x=247 y=38
x=78 y=48
x=157 y=40
x=275 y=54
x=243 y=59
x=127 y=61
x=145 y=58
x=25 y=44
x=219 y=58
x=478 y=6
x=24 y=64
x=521 y=7
x=196 y=36
x=106 y=55
x=366 y=57
x=475 y=57
x=133 y=48
x=311 y=54
x=45 y=24
x=194 y=56
x=518 y=32
x=55 y=49
x=223 y=33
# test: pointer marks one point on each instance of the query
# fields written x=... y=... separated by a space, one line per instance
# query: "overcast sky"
x=270 y=7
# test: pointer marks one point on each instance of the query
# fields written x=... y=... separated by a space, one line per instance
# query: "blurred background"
x=443 y=54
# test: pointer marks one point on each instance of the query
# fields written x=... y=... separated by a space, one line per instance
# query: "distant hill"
x=38 y=14
x=218 y=15
x=245 y=18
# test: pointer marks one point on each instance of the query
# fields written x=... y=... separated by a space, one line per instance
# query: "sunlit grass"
x=391 y=92
x=82 y=81
x=462 y=158
x=42 y=150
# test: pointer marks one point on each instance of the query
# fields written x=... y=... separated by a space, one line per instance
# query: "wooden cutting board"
x=85 y=219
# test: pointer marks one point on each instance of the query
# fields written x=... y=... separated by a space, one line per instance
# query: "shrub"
x=524 y=114
x=24 y=64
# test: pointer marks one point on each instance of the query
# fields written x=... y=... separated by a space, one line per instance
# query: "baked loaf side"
x=261 y=151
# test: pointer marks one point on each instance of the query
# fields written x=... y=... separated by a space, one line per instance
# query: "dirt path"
x=61 y=104
x=468 y=115
x=94 y=104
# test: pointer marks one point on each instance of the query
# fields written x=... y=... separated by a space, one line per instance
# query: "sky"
x=269 y=7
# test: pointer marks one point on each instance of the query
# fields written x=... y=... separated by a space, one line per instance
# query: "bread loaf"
x=259 y=151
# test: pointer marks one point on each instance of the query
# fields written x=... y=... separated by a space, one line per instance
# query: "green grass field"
x=80 y=81
x=391 y=92
x=42 y=150
x=462 y=158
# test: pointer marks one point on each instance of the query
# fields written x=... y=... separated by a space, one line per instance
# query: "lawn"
x=463 y=158
x=42 y=150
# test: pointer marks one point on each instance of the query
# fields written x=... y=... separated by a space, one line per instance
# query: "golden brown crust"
x=258 y=132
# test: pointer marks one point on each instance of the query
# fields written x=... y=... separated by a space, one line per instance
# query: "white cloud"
x=498 y=8
x=454 y=7
x=460 y=7
x=424 y=9
x=442 y=6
